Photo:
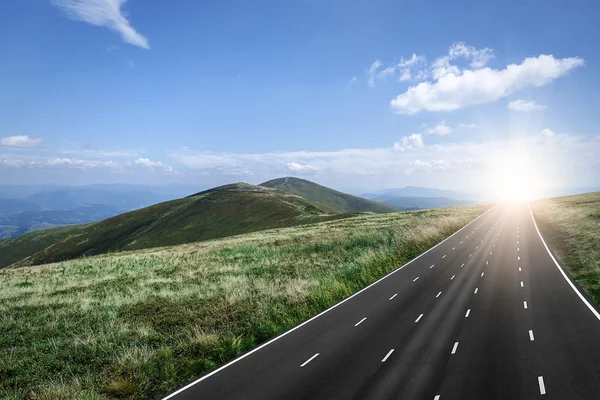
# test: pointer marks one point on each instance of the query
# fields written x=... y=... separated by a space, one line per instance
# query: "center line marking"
x=521 y=283
x=414 y=280
x=360 y=322
x=420 y=316
x=452 y=277
x=444 y=256
x=454 y=348
x=525 y=304
x=468 y=312
x=309 y=360
x=387 y=355
x=438 y=295
x=394 y=296
x=531 y=335
x=542 y=386
x=476 y=289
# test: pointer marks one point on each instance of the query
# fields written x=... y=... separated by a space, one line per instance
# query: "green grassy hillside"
x=224 y=211
x=20 y=247
x=136 y=325
x=332 y=198
x=571 y=227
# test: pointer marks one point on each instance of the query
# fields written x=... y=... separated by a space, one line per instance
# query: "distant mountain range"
x=414 y=198
x=214 y=213
x=28 y=208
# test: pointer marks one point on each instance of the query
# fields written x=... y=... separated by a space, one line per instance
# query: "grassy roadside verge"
x=140 y=324
x=571 y=227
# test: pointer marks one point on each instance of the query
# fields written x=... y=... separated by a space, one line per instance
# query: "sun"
x=514 y=179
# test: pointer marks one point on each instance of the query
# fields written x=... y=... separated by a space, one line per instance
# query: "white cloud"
x=411 y=142
x=405 y=70
x=467 y=126
x=159 y=165
x=454 y=88
x=525 y=106
x=304 y=169
x=106 y=13
x=19 y=141
x=372 y=70
x=11 y=163
x=440 y=129
x=547 y=134
x=417 y=166
x=352 y=80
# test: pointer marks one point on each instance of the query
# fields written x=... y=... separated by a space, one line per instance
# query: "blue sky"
x=357 y=95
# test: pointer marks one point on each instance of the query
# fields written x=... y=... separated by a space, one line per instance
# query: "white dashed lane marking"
x=531 y=336
x=309 y=360
x=360 y=322
x=387 y=355
x=394 y=296
x=454 y=348
x=468 y=312
x=542 y=386
x=419 y=318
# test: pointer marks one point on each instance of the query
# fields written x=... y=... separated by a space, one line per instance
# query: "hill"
x=215 y=213
x=339 y=201
x=143 y=323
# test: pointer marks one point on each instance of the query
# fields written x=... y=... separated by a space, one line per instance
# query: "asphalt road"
x=486 y=314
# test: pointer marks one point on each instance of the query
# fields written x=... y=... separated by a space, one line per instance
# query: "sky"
x=478 y=96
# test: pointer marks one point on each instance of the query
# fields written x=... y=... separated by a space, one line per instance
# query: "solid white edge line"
x=587 y=303
x=542 y=386
x=387 y=355
x=360 y=322
x=309 y=360
x=189 y=385
x=454 y=348
x=531 y=335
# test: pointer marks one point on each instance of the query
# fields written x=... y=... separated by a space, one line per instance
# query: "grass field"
x=571 y=227
x=140 y=324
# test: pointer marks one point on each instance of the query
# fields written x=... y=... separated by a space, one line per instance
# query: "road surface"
x=486 y=314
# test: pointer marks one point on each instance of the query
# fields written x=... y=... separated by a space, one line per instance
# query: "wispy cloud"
x=106 y=13
x=19 y=141
x=525 y=106
x=440 y=129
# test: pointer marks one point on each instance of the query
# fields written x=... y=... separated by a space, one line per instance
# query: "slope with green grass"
x=224 y=211
x=20 y=247
x=332 y=198
x=137 y=325
x=571 y=227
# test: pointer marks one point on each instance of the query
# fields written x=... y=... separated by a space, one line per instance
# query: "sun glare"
x=514 y=179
